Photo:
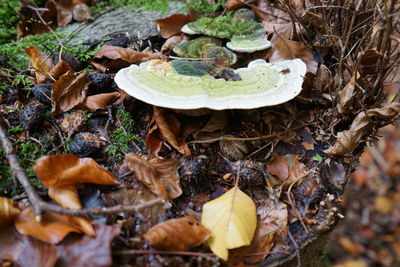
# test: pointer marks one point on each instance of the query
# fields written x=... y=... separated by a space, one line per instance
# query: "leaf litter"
x=190 y=158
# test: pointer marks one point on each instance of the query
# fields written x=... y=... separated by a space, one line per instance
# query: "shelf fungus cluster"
x=185 y=84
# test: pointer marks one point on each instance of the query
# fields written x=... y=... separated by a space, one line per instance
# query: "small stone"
x=32 y=116
x=100 y=83
x=85 y=145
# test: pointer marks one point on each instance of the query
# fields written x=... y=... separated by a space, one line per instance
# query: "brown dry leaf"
x=296 y=168
x=59 y=69
x=25 y=251
x=69 y=91
x=99 y=101
x=348 y=140
x=274 y=213
x=261 y=244
x=154 y=140
x=51 y=229
x=172 y=25
x=346 y=95
x=88 y=251
x=41 y=62
x=170 y=129
x=351 y=247
x=82 y=12
x=278 y=29
x=159 y=175
x=67 y=196
x=178 y=234
x=369 y=62
x=234 y=4
x=64 y=12
x=74 y=122
x=283 y=49
x=67 y=169
x=8 y=210
x=114 y=57
x=279 y=167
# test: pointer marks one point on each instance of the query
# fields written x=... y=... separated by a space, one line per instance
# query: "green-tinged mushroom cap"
x=208 y=48
x=246 y=34
x=261 y=84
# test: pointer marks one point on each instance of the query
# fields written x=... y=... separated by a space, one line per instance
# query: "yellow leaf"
x=8 y=210
x=232 y=220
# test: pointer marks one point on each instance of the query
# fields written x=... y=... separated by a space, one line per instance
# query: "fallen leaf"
x=296 y=168
x=25 y=251
x=348 y=140
x=352 y=263
x=158 y=174
x=67 y=196
x=279 y=167
x=53 y=228
x=350 y=246
x=69 y=91
x=172 y=25
x=170 y=43
x=41 y=62
x=64 y=12
x=262 y=243
x=99 y=101
x=232 y=220
x=82 y=12
x=170 y=129
x=283 y=49
x=59 y=69
x=8 y=210
x=234 y=4
x=347 y=95
x=74 y=122
x=369 y=62
x=283 y=29
x=218 y=121
x=67 y=169
x=76 y=250
x=114 y=58
x=178 y=234
x=154 y=140
x=274 y=213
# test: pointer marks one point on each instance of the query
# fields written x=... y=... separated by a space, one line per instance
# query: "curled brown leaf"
x=69 y=91
x=178 y=234
x=99 y=101
x=41 y=62
x=8 y=210
x=67 y=169
x=159 y=175
x=172 y=25
x=348 y=140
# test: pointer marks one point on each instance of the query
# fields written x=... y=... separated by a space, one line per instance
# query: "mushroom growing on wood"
x=262 y=84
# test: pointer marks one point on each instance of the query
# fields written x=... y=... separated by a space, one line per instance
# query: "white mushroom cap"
x=262 y=84
x=187 y=30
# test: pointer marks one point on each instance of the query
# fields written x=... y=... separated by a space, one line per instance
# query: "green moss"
x=160 y=5
x=204 y=6
x=121 y=137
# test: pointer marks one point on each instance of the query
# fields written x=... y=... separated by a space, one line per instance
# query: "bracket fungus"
x=246 y=34
x=262 y=84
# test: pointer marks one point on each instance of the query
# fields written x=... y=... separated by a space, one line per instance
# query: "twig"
x=39 y=206
x=298 y=257
x=228 y=138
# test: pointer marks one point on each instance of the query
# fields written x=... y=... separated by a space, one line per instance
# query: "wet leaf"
x=346 y=95
x=59 y=69
x=154 y=140
x=100 y=101
x=67 y=169
x=41 y=62
x=283 y=49
x=178 y=234
x=115 y=57
x=279 y=167
x=170 y=129
x=158 y=174
x=8 y=210
x=25 y=251
x=64 y=12
x=262 y=243
x=67 y=196
x=52 y=229
x=232 y=220
x=69 y=91
x=284 y=29
x=172 y=25
x=234 y=4
x=369 y=62
x=88 y=251
x=348 y=140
